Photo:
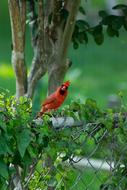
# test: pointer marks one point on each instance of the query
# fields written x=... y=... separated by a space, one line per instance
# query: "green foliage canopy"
x=112 y=24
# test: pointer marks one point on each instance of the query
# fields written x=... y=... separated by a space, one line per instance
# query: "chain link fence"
x=99 y=162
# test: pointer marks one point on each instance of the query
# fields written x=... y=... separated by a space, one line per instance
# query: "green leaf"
x=114 y=21
x=82 y=37
x=16 y=159
x=97 y=29
x=32 y=151
x=3 y=169
x=27 y=159
x=75 y=45
x=23 y=141
x=3 y=126
x=125 y=24
x=65 y=158
x=4 y=148
x=82 y=10
x=91 y=110
x=102 y=14
x=23 y=100
x=85 y=37
x=3 y=185
x=117 y=22
x=82 y=25
x=45 y=141
x=98 y=34
x=111 y=32
x=75 y=106
x=120 y=6
x=99 y=38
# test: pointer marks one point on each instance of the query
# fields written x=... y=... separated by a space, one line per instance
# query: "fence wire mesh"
x=99 y=164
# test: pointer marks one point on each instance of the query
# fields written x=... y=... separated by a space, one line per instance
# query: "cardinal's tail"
x=39 y=114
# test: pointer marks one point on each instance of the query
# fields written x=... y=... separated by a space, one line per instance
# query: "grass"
x=103 y=69
x=81 y=178
x=97 y=71
x=7 y=79
x=88 y=179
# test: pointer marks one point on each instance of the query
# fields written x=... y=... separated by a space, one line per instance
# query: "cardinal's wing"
x=50 y=99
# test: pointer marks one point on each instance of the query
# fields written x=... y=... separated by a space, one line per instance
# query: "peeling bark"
x=38 y=67
x=17 y=18
x=60 y=64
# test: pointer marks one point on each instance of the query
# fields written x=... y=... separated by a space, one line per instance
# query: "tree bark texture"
x=37 y=69
x=18 y=18
x=59 y=64
x=50 y=42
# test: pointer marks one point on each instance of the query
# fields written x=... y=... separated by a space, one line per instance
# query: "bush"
x=37 y=154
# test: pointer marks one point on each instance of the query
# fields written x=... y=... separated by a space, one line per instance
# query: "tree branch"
x=61 y=122
x=35 y=75
x=65 y=122
x=17 y=180
x=69 y=27
x=38 y=68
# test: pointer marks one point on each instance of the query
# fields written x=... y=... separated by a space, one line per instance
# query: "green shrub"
x=37 y=153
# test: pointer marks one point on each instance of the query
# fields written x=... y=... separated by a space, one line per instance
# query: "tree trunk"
x=18 y=18
x=59 y=66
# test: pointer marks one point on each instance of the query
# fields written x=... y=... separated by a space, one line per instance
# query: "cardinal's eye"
x=63 y=87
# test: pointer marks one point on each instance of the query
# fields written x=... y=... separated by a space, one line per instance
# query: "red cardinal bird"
x=55 y=100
